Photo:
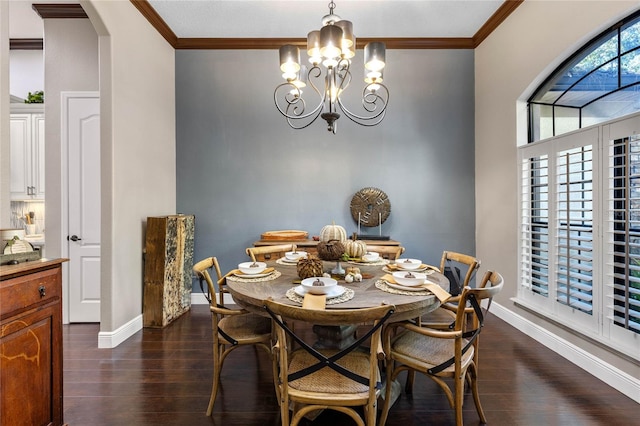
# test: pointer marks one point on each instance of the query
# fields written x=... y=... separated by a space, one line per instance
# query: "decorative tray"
x=285 y=235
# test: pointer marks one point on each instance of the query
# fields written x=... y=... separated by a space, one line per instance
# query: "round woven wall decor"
x=371 y=205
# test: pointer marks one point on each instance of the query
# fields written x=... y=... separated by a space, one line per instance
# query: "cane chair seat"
x=328 y=381
x=246 y=328
x=428 y=352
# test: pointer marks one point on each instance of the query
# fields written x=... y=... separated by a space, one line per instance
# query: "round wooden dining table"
x=250 y=294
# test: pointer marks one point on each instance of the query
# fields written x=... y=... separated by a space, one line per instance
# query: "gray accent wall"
x=242 y=171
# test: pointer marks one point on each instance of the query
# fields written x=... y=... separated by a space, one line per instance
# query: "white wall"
x=27 y=71
x=5 y=172
x=509 y=65
x=137 y=92
x=25 y=22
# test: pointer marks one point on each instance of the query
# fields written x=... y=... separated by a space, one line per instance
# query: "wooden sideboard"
x=310 y=245
x=31 y=343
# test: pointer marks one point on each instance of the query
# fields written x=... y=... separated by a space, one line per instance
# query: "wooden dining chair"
x=387 y=252
x=309 y=380
x=443 y=356
x=460 y=269
x=273 y=252
x=232 y=328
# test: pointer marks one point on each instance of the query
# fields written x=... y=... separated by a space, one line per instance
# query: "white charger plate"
x=425 y=270
x=243 y=275
x=335 y=291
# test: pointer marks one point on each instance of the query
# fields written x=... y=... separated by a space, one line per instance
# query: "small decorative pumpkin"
x=333 y=232
x=356 y=248
x=330 y=250
x=310 y=267
x=353 y=270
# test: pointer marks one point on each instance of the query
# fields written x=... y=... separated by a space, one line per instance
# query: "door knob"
x=73 y=238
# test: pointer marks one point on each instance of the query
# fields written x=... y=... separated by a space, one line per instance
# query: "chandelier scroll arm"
x=370 y=98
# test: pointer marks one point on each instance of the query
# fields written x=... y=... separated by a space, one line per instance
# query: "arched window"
x=601 y=81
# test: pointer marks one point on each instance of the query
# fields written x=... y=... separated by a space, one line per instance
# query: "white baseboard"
x=199 y=299
x=111 y=339
x=617 y=379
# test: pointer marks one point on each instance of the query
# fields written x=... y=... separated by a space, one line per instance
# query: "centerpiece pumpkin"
x=310 y=267
x=355 y=248
x=330 y=250
x=333 y=232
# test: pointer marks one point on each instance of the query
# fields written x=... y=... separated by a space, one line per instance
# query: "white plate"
x=335 y=291
x=243 y=275
x=418 y=269
x=402 y=287
x=426 y=270
x=285 y=260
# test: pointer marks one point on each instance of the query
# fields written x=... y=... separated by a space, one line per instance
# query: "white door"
x=83 y=162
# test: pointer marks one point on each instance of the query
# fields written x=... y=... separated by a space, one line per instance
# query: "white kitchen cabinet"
x=27 y=156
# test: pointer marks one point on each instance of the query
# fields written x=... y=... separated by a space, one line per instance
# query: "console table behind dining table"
x=310 y=246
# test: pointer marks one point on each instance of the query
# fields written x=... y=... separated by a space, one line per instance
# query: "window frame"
x=567 y=65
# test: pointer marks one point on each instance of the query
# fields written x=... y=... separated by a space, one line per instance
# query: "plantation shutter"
x=623 y=239
x=574 y=228
x=534 y=239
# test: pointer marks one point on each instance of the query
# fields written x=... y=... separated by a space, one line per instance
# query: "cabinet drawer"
x=29 y=291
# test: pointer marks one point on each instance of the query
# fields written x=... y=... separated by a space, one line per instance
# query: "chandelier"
x=330 y=51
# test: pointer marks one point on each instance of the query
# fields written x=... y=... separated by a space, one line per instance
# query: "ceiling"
x=295 y=18
x=251 y=24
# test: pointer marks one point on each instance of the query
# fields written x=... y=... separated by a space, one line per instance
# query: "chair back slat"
x=271 y=252
x=459 y=268
x=387 y=252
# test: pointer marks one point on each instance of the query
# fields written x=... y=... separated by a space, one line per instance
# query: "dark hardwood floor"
x=163 y=377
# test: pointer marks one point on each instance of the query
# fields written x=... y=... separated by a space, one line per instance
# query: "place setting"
x=291 y=258
x=316 y=292
x=408 y=264
x=369 y=258
x=410 y=282
x=253 y=272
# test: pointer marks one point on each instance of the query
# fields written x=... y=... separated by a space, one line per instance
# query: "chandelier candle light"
x=330 y=51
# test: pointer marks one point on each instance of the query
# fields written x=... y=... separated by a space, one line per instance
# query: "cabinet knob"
x=42 y=291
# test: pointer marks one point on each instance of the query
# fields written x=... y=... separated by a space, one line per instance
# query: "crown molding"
x=495 y=20
x=26 y=44
x=274 y=43
x=59 y=10
x=156 y=21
